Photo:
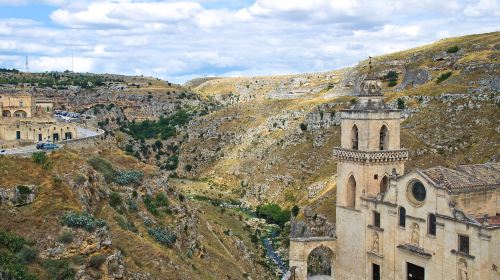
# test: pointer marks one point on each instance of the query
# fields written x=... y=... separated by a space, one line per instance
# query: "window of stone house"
x=463 y=244
x=431 y=224
x=376 y=219
x=402 y=217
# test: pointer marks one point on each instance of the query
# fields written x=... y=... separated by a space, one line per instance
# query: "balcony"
x=370 y=156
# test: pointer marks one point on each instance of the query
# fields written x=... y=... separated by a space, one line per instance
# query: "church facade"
x=431 y=224
x=437 y=223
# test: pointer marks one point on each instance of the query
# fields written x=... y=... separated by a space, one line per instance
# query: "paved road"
x=81 y=131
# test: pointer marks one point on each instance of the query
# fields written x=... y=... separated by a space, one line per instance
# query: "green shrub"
x=11 y=268
x=164 y=128
x=444 y=76
x=392 y=77
x=27 y=254
x=171 y=164
x=303 y=126
x=66 y=237
x=104 y=167
x=115 y=200
x=163 y=235
x=59 y=269
x=188 y=167
x=295 y=210
x=41 y=159
x=97 y=261
x=273 y=213
x=159 y=201
x=11 y=241
x=82 y=220
x=453 y=49
x=401 y=103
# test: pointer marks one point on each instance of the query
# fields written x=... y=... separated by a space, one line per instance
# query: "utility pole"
x=27 y=65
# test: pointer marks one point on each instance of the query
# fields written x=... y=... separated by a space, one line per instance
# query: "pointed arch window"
x=384 y=185
x=402 y=217
x=354 y=137
x=351 y=192
x=384 y=138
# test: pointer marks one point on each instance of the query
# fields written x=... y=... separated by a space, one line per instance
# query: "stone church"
x=437 y=223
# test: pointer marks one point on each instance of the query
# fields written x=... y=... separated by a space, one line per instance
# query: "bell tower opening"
x=354 y=137
x=384 y=138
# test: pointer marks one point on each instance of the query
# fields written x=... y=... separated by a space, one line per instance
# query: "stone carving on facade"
x=415 y=235
x=375 y=245
x=463 y=274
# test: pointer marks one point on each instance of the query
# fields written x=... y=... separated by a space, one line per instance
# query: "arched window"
x=402 y=217
x=351 y=192
x=354 y=137
x=431 y=224
x=384 y=138
x=384 y=185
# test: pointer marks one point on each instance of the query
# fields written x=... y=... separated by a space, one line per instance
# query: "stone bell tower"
x=370 y=152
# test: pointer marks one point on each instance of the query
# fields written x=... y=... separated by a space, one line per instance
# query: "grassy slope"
x=142 y=253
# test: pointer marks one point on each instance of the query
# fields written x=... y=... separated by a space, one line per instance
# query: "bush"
x=164 y=128
x=79 y=179
x=27 y=255
x=59 y=269
x=453 y=49
x=401 y=103
x=129 y=177
x=97 y=261
x=104 y=167
x=83 y=220
x=115 y=200
x=171 y=164
x=295 y=210
x=273 y=214
x=66 y=237
x=303 y=126
x=41 y=159
x=392 y=77
x=188 y=167
x=11 y=241
x=159 y=201
x=163 y=235
x=443 y=77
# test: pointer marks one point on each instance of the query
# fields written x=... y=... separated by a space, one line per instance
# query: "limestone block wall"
x=36 y=131
x=369 y=125
x=300 y=248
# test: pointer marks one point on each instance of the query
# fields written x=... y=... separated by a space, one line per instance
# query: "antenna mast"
x=27 y=65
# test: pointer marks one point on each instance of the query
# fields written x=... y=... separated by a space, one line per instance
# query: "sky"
x=181 y=40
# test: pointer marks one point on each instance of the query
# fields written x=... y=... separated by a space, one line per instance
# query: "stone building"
x=437 y=223
x=25 y=119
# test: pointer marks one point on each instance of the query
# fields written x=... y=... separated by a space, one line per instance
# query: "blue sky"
x=180 y=40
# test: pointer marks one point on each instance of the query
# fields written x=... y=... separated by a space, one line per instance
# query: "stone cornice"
x=370 y=156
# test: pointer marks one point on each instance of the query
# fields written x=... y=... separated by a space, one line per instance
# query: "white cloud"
x=483 y=8
x=178 y=40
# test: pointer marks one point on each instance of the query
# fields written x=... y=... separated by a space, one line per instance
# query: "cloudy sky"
x=179 y=40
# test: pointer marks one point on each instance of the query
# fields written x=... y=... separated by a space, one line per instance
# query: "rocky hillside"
x=105 y=215
x=273 y=139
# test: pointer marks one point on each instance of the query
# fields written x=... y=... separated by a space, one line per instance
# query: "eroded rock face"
x=414 y=77
x=313 y=225
x=18 y=196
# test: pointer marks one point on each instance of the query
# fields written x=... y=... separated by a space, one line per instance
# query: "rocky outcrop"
x=312 y=225
x=18 y=196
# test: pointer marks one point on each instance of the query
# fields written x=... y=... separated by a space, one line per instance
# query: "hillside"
x=177 y=188
x=104 y=215
x=273 y=141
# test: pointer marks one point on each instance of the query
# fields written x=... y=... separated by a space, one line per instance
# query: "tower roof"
x=370 y=86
